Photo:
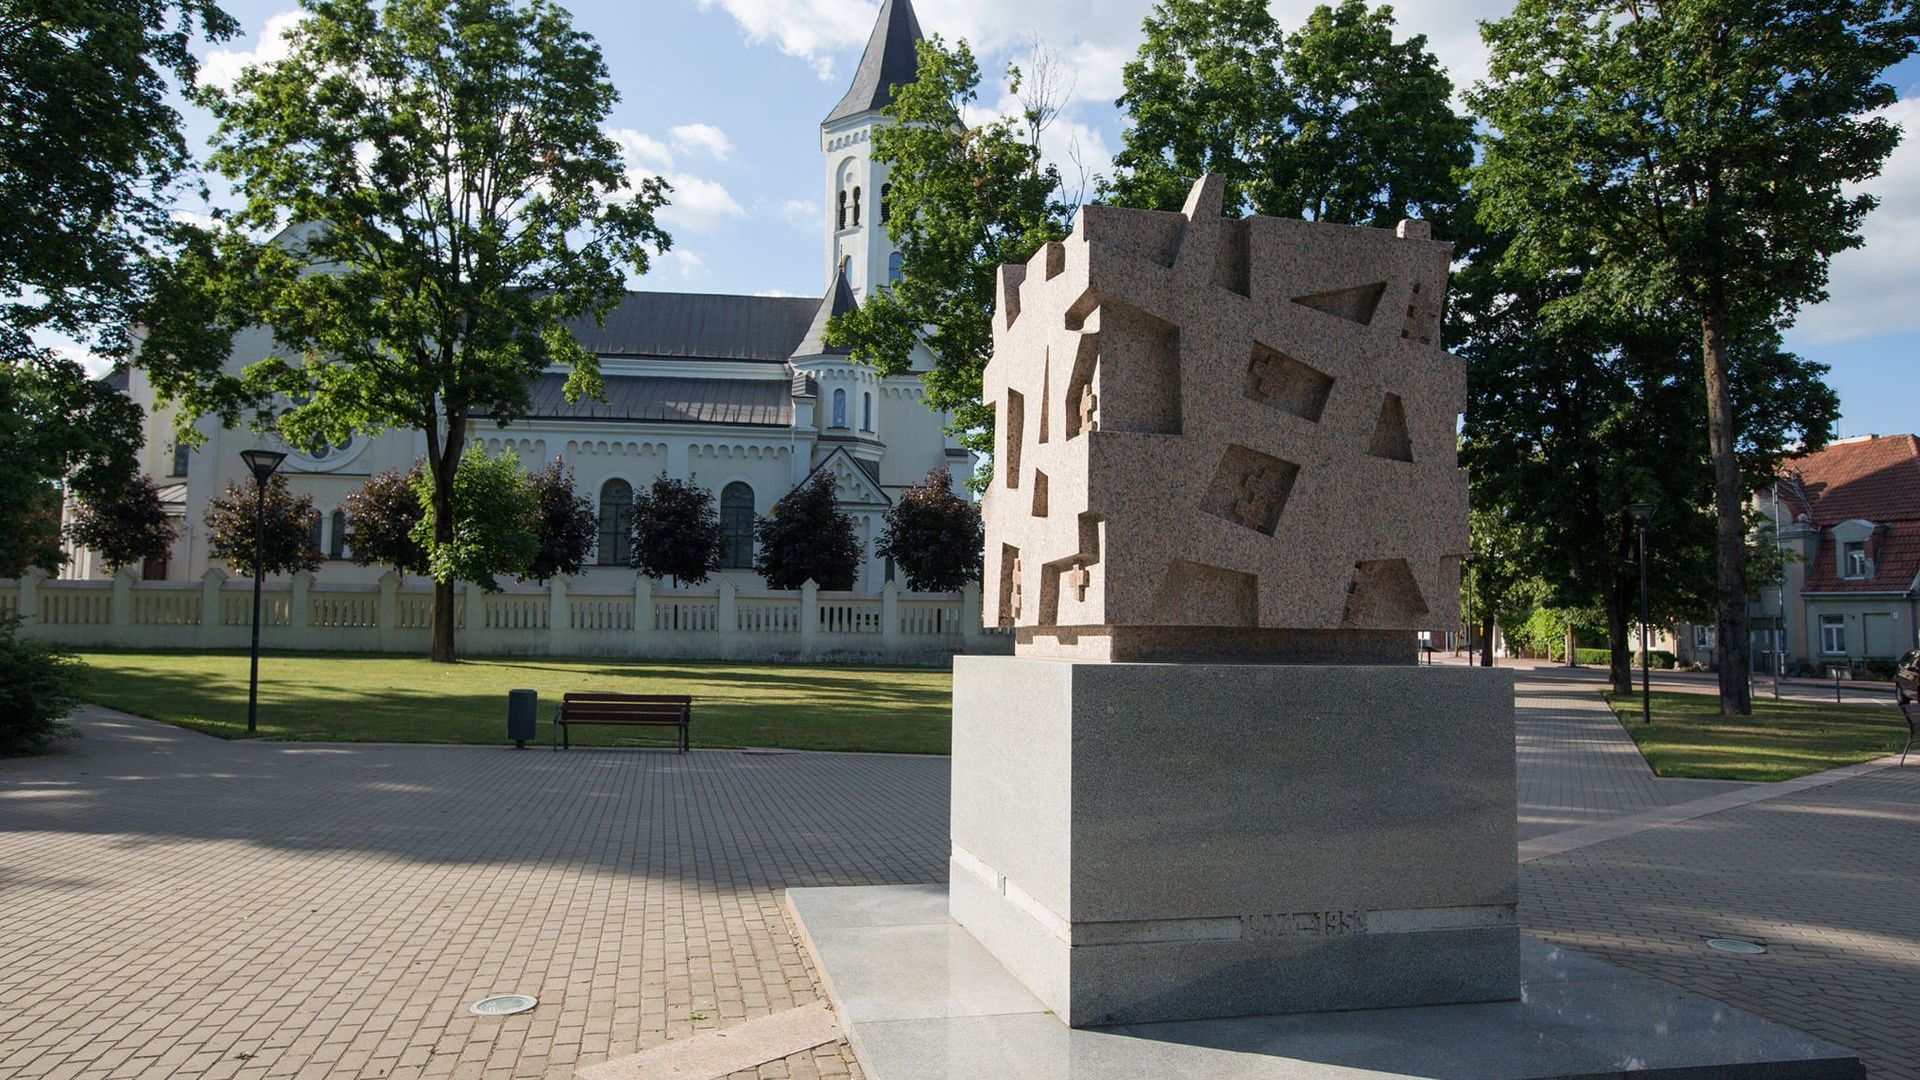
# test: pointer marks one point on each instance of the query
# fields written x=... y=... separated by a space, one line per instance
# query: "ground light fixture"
x=1642 y=515
x=1739 y=946
x=503 y=1005
x=261 y=463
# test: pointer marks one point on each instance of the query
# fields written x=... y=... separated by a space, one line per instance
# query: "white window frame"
x=1833 y=635
x=1704 y=636
x=1853 y=561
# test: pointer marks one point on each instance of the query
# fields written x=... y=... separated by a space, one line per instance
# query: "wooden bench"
x=655 y=710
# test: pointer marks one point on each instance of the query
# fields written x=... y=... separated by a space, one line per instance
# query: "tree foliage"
x=1700 y=154
x=934 y=535
x=290 y=523
x=493 y=524
x=382 y=515
x=39 y=686
x=457 y=204
x=61 y=433
x=564 y=523
x=125 y=528
x=676 y=531
x=808 y=537
x=1335 y=121
x=963 y=201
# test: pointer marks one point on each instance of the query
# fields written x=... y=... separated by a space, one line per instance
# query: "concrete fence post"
x=30 y=595
x=386 y=612
x=970 y=613
x=212 y=613
x=559 y=621
x=120 y=606
x=890 y=618
x=726 y=615
x=809 y=617
x=642 y=612
x=299 y=608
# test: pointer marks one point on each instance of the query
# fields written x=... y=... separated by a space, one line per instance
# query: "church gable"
x=857 y=487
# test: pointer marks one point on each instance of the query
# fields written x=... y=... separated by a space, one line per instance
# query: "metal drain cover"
x=1736 y=945
x=504 y=1004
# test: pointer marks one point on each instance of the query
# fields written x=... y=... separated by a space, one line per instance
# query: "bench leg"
x=566 y=737
x=686 y=738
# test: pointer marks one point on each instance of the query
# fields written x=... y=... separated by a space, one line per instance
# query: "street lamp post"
x=1642 y=514
x=262 y=463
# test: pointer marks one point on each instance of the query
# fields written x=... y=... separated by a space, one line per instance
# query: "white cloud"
x=1871 y=290
x=697 y=204
x=809 y=29
x=705 y=138
x=641 y=148
x=94 y=364
x=802 y=214
x=223 y=66
x=680 y=264
x=196 y=217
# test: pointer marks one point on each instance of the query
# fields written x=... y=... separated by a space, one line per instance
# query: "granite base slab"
x=921 y=1000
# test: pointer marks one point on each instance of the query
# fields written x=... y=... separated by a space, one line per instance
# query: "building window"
x=616 y=524
x=337 y=543
x=866 y=412
x=181 y=454
x=1833 y=635
x=886 y=195
x=313 y=534
x=839 y=408
x=895 y=268
x=1853 y=559
x=736 y=521
x=1703 y=636
x=856 y=206
x=841 y=221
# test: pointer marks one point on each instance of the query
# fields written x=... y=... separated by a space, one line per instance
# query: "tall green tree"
x=1335 y=121
x=456 y=204
x=963 y=200
x=495 y=524
x=1698 y=153
x=90 y=157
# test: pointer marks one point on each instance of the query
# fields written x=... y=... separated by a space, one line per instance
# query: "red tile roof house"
x=1850 y=519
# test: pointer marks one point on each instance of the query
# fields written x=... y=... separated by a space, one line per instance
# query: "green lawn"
x=330 y=697
x=1780 y=740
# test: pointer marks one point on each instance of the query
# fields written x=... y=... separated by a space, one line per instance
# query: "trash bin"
x=523 y=708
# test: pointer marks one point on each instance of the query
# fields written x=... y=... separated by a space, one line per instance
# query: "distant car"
x=1906 y=678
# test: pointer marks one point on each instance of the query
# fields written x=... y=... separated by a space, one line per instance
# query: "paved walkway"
x=175 y=905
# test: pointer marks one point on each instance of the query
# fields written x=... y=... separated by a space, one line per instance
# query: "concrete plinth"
x=1154 y=842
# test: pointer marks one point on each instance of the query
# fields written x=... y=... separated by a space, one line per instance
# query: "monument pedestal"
x=1151 y=842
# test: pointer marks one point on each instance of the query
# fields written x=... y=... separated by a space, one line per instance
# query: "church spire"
x=890 y=60
x=838 y=301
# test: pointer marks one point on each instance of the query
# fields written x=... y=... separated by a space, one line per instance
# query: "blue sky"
x=725 y=97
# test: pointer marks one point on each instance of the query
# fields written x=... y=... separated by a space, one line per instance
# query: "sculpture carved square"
x=1259 y=437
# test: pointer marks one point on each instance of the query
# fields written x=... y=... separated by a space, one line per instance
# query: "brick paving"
x=175 y=905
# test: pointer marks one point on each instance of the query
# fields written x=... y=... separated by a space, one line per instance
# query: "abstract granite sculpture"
x=1211 y=781
x=1224 y=438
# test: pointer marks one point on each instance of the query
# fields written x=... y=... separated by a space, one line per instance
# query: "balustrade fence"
x=715 y=621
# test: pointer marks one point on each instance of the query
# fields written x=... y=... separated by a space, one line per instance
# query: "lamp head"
x=262 y=463
x=1641 y=513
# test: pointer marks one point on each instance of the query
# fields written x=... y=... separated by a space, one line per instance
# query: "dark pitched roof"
x=838 y=301
x=700 y=326
x=1893 y=550
x=890 y=60
x=117 y=379
x=669 y=399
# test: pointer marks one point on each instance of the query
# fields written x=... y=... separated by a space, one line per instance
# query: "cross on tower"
x=1089 y=410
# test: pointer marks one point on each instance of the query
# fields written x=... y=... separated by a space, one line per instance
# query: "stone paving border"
x=1599 y=833
x=719 y=1053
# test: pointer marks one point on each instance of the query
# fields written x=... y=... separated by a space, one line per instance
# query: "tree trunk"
x=1621 y=607
x=1486 y=641
x=442 y=467
x=1730 y=505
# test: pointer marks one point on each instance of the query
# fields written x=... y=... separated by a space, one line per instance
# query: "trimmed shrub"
x=1593 y=657
x=1661 y=659
x=39 y=686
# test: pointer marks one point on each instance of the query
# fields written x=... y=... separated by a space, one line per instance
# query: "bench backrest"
x=676 y=708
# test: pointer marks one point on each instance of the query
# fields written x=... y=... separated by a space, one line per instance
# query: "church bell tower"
x=857 y=242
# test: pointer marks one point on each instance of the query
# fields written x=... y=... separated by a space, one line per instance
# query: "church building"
x=739 y=394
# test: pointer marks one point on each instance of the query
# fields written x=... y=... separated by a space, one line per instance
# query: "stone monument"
x=1211 y=781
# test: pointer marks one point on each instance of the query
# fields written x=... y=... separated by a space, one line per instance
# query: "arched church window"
x=840 y=408
x=313 y=534
x=843 y=211
x=856 y=206
x=615 y=547
x=182 y=454
x=337 y=543
x=896 y=268
x=866 y=412
x=886 y=197
x=736 y=523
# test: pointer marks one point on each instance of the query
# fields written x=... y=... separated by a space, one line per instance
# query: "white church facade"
x=738 y=394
